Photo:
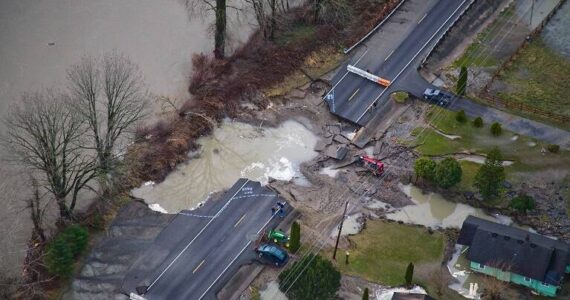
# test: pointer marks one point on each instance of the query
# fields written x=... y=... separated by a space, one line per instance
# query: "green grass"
x=539 y=77
x=469 y=170
x=400 y=97
x=299 y=32
x=382 y=251
x=528 y=160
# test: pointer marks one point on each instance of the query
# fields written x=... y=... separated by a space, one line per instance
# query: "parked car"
x=438 y=97
x=272 y=254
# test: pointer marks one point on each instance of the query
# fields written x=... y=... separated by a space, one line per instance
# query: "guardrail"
x=346 y=51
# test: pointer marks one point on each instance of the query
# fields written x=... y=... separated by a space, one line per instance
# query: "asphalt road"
x=358 y=99
x=194 y=256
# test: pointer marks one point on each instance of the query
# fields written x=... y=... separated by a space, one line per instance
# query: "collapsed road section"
x=199 y=250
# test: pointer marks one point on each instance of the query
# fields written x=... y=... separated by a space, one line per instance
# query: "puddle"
x=479 y=159
x=449 y=136
x=329 y=171
x=388 y=293
x=233 y=151
x=351 y=226
x=272 y=292
x=432 y=210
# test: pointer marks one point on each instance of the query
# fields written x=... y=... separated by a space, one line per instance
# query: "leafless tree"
x=331 y=11
x=46 y=137
x=109 y=95
x=219 y=9
x=37 y=207
x=266 y=13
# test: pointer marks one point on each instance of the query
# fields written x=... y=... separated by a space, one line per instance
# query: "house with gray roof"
x=515 y=255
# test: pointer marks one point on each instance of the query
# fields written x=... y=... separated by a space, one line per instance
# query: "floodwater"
x=432 y=210
x=41 y=39
x=556 y=33
x=233 y=151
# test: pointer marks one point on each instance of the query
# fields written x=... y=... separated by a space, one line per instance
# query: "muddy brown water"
x=41 y=39
x=233 y=151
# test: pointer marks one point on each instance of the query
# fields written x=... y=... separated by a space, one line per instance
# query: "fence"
x=518 y=106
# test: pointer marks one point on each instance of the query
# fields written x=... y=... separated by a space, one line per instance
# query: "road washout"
x=232 y=151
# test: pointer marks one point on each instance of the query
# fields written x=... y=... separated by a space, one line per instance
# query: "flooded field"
x=233 y=151
x=41 y=39
x=433 y=210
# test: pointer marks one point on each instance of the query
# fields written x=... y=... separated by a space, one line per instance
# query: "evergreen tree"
x=295 y=237
x=496 y=129
x=461 y=117
x=462 y=81
x=365 y=294
x=319 y=280
x=478 y=122
x=425 y=168
x=409 y=274
x=59 y=257
x=448 y=173
x=490 y=176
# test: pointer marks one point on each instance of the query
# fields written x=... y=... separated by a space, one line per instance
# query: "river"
x=41 y=39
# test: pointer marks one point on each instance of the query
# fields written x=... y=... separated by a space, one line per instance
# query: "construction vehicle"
x=373 y=165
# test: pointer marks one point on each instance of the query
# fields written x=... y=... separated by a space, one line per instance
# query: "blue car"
x=272 y=254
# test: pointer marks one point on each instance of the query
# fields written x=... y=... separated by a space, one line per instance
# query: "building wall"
x=539 y=287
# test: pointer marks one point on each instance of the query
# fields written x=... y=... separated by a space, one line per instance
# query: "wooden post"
x=339 y=230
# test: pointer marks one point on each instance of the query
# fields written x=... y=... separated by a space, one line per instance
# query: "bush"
x=523 y=203
x=461 y=117
x=478 y=122
x=67 y=245
x=491 y=175
x=409 y=274
x=59 y=257
x=496 y=129
x=425 y=168
x=76 y=237
x=462 y=81
x=448 y=173
x=319 y=281
x=400 y=97
x=553 y=148
x=295 y=238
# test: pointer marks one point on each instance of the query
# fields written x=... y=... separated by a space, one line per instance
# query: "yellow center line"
x=353 y=94
x=239 y=221
x=389 y=55
x=422 y=18
x=198 y=267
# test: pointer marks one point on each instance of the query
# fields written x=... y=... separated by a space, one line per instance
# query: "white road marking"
x=343 y=76
x=239 y=221
x=413 y=58
x=422 y=18
x=198 y=267
x=235 y=258
x=192 y=241
x=389 y=55
x=353 y=94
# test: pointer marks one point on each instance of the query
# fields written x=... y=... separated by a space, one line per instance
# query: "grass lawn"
x=382 y=251
x=529 y=161
x=539 y=77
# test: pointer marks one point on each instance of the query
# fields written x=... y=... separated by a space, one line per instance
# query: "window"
x=526 y=279
x=545 y=284
x=481 y=266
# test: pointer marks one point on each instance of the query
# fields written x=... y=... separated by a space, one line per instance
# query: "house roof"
x=515 y=250
x=406 y=296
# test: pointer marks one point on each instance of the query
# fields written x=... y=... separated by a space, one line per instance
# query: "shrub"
x=523 y=203
x=400 y=97
x=409 y=274
x=478 y=122
x=319 y=281
x=496 y=129
x=59 y=257
x=491 y=175
x=295 y=238
x=76 y=237
x=425 y=168
x=462 y=81
x=553 y=148
x=461 y=117
x=448 y=173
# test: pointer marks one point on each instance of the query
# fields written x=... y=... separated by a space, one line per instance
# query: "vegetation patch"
x=538 y=77
x=382 y=251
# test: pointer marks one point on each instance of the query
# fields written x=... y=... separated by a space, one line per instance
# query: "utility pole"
x=339 y=230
